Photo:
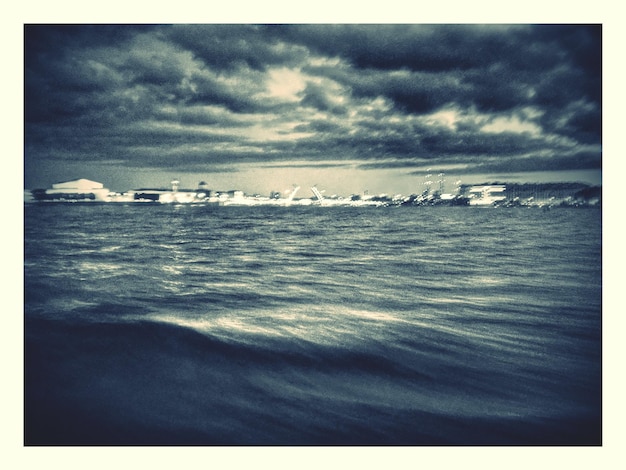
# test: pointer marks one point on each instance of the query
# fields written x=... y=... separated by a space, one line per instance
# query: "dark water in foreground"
x=151 y=324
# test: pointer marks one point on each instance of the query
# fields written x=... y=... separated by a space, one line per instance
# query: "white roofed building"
x=486 y=195
x=82 y=184
x=75 y=190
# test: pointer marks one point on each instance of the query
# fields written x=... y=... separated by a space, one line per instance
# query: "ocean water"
x=153 y=324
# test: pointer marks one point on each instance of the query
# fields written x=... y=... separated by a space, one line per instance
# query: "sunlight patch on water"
x=240 y=326
x=369 y=315
x=478 y=281
x=464 y=300
x=106 y=267
x=218 y=326
x=330 y=326
x=171 y=269
x=109 y=249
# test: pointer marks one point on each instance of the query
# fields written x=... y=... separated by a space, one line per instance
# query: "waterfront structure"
x=175 y=194
x=80 y=190
x=486 y=195
x=239 y=198
x=165 y=195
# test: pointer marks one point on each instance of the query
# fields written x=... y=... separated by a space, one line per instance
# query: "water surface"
x=182 y=324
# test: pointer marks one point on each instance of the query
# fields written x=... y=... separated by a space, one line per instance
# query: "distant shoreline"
x=487 y=194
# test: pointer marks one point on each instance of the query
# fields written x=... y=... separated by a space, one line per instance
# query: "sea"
x=197 y=325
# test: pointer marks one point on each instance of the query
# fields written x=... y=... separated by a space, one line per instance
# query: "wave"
x=311 y=327
x=150 y=382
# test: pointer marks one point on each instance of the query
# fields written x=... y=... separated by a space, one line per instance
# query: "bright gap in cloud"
x=285 y=84
x=445 y=117
x=511 y=124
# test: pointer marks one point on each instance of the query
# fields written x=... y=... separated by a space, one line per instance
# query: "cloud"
x=232 y=47
x=197 y=96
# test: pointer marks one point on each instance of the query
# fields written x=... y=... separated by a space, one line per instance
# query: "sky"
x=381 y=108
x=93 y=102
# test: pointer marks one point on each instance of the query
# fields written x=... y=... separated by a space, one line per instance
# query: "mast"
x=293 y=193
x=318 y=195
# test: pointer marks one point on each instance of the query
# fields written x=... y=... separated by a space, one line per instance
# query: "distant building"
x=82 y=190
x=486 y=195
x=165 y=195
x=174 y=195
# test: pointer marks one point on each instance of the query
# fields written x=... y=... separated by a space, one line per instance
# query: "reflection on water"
x=308 y=325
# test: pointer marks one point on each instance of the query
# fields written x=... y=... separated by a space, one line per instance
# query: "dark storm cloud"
x=320 y=127
x=577 y=161
x=493 y=68
x=317 y=96
x=197 y=115
x=184 y=96
x=431 y=48
x=234 y=46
